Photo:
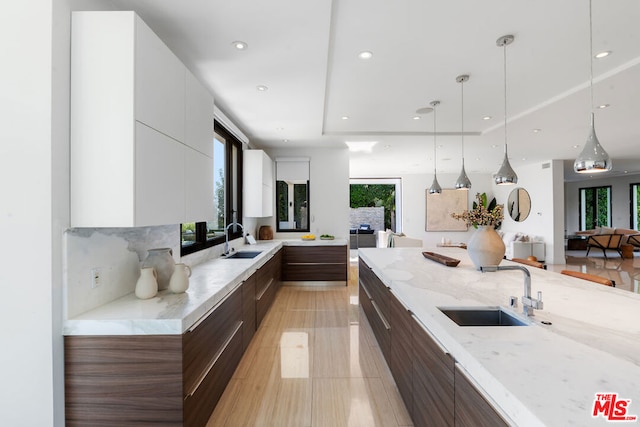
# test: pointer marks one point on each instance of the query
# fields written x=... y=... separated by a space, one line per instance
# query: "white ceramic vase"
x=180 y=278
x=147 y=285
x=485 y=247
x=162 y=260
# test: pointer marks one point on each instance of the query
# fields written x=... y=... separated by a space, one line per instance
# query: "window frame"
x=634 y=209
x=231 y=168
x=581 y=220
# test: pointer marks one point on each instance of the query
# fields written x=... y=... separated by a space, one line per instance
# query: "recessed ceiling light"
x=537 y=130
x=486 y=118
x=262 y=88
x=345 y=117
x=603 y=106
x=604 y=54
x=365 y=146
x=240 y=45
x=494 y=146
x=387 y=146
x=365 y=54
x=285 y=140
x=416 y=117
x=576 y=146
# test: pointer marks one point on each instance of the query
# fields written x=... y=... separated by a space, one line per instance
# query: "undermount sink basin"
x=244 y=254
x=482 y=316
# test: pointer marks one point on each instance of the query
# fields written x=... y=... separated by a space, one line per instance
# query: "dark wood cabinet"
x=315 y=263
x=401 y=352
x=433 y=380
x=435 y=391
x=472 y=409
x=160 y=380
x=376 y=306
x=267 y=285
x=249 y=324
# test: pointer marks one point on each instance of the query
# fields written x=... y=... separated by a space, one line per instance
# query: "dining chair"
x=591 y=277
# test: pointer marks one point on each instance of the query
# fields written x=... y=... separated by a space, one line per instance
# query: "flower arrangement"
x=482 y=213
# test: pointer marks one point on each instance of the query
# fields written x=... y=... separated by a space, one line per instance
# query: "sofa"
x=521 y=245
x=607 y=238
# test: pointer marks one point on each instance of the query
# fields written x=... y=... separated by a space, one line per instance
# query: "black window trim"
x=201 y=242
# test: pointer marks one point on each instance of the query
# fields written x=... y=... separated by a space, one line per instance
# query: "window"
x=292 y=194
x=634 y=197
x=227 y=194
x=595 y=207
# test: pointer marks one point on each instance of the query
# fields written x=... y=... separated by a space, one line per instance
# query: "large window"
x=595 y=207
x=292 y=194
x=227 y=194
x=634 y=197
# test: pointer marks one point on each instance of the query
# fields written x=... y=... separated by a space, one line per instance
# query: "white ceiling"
x=306 y=53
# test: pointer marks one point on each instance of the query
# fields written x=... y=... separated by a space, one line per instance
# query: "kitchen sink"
x=244 y=255
x=482 y=316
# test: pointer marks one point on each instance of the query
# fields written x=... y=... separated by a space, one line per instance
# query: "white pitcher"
x=147 y=284
x=179 y=281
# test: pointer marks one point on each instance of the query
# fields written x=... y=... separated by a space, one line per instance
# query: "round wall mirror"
x=519 y=204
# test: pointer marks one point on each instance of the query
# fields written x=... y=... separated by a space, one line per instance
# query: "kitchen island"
x=586 y=339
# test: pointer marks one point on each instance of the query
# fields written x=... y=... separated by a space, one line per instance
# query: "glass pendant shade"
x=593 y=157
x=463 y=181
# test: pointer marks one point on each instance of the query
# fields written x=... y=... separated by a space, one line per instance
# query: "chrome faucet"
x=528 y=303
x=226 y=236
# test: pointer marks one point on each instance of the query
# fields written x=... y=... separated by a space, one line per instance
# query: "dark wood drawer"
x=264 y=301
x=248 y=310
x=315 y=263
x=199 y=405
x=205 y=340
x=379 y=324
x=123 y=380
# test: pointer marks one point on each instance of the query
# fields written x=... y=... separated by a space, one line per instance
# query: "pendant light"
x=463 y=181
x=593 y=157
x=505 y=175
x=435 y=187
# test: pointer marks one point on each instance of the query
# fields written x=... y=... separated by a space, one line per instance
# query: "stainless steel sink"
x=482 y=316
x=244 y=255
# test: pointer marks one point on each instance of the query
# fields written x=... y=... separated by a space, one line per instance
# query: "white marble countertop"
x=169 y=313
x=538 y=374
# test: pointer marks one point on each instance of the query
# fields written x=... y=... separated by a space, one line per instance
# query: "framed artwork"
x=441 y=206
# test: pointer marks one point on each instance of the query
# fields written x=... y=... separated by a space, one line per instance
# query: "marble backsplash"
x=118 y=253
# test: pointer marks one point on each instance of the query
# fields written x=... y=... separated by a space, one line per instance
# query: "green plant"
x=482 y=213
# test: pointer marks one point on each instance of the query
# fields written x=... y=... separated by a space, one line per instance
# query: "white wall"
x=545 y=187
x=32 y=136
x=328 y=190
x=414 y=188
x=620 y=214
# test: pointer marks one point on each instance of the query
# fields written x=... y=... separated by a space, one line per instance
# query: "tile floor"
x=625 y=272
x=313 y=362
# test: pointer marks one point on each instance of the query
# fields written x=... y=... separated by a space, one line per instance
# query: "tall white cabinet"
x=257 y=184
x=141 y=128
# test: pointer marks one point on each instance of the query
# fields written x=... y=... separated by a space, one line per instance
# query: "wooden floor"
x=313 y=362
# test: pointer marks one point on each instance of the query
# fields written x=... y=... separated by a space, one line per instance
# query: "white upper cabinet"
x=131 y=117
x=198 y=116
x=257 y=184
x=159 y=84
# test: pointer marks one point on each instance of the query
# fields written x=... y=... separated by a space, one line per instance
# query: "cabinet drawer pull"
x=214 y=360
x=316 y=263
x=399 y=301
x=259 y=297
x=430 y=335
x=384 y=321
x=366 y=291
